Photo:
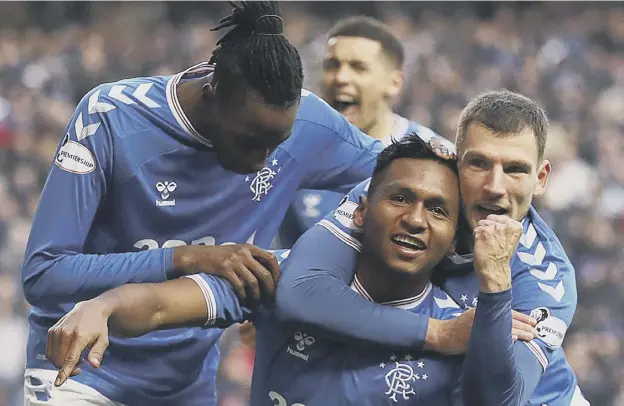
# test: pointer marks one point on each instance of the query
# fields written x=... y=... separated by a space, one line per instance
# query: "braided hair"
x=256 y=51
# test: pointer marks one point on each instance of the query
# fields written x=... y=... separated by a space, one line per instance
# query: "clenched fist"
x=495 y=242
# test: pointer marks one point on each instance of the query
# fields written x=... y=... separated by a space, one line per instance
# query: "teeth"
x=409 y=241
x=343 y=98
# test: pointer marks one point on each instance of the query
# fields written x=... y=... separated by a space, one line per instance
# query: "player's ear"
x=543 y=172
x=395 y=85
x=360 y=212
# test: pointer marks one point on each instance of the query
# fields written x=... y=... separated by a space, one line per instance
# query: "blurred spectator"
x=568 y=56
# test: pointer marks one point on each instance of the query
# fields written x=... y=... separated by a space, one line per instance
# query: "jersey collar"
x=407 y=303
x=197 y=71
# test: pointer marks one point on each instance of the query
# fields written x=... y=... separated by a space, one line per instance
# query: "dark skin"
x=244 y=131
x=417 y=199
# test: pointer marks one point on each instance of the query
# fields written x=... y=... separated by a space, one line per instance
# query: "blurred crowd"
x=567 y=56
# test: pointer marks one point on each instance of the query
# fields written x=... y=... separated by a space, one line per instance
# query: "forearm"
x=137 y=309
x=497 y=371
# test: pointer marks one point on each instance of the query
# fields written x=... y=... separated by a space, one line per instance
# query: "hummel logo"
x=165 y=189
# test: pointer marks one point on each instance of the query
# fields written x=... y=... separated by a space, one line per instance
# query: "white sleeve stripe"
x=539 y=354
x=211 y=305
x=341 y=235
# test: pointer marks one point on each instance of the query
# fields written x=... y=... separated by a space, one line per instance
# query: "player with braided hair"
x=168 y=176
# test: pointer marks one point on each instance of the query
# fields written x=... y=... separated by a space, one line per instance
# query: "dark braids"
x=256 y=51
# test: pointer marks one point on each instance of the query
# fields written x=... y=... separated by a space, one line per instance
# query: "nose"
x=414 y=219
x=343 y=75
x=494 y=183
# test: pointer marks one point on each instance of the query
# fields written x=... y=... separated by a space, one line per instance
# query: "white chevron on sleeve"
x=83 y=132
x=557 y=292
x=141 y=95
x=547 y=275
x=528 y=238
x=96 y=106
x=116 y=93
x=446 y=303
x=533 y=259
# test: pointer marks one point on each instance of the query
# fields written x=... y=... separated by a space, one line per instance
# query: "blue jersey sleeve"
x=339 y=155
x=498 y=371
x=223 y=307
x=56 y=269
x=315 y=282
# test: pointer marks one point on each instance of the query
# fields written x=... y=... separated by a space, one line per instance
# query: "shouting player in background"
x=362 y=76
x=501 y=138
x=414 y=198
x=153 y=175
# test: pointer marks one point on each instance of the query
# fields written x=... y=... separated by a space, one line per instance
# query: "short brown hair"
x=505 y=113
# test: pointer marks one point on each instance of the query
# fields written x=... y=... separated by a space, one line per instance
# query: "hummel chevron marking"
x=116 y=93
x=446 y=303
x=547 y=275
x=96 y=106
x=533 y=259
x=556 y=292
x=141 y=94
x=83 y=132
x=528 y=238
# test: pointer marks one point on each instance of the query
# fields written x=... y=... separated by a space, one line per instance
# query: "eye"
x=438 y=210
x=330 y=64
x=478 y=163
x=516 y=169
x=398 y=199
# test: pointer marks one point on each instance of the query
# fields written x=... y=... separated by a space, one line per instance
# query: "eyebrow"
x=479 y=155
x=433 y=198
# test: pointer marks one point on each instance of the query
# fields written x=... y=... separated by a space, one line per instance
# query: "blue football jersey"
x=131 y=180
x=296 y=365
x=311 y=206
x=544 y=286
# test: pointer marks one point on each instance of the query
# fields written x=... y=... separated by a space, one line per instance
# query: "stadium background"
x=568 y=56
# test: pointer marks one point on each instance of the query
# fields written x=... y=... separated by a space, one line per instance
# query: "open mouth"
x=342 y=103
x=488 y=209
x=409 y=242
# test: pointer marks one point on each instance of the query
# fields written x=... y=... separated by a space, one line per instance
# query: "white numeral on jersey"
x=150 y=244
x=280 y=401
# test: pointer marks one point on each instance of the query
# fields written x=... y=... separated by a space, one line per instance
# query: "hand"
x=450 y=337
x=247 y=268
x=85 y=326
x=495 y=242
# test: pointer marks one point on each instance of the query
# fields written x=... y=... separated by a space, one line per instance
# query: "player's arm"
x=339 y=155
x=55 y=269
x=136 y=309
x=498 y=370
x=315 y=282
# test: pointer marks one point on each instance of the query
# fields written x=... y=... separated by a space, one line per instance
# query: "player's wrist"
x=432 y=339
x=494 y=277
x=183 y=260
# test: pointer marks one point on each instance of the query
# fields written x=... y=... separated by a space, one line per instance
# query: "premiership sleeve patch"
x=75 y=158
x=551 y=330
x=344 y=214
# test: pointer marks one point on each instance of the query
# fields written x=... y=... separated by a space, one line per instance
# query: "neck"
x=383 y=126
x=190 y=98
x=386 y=285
